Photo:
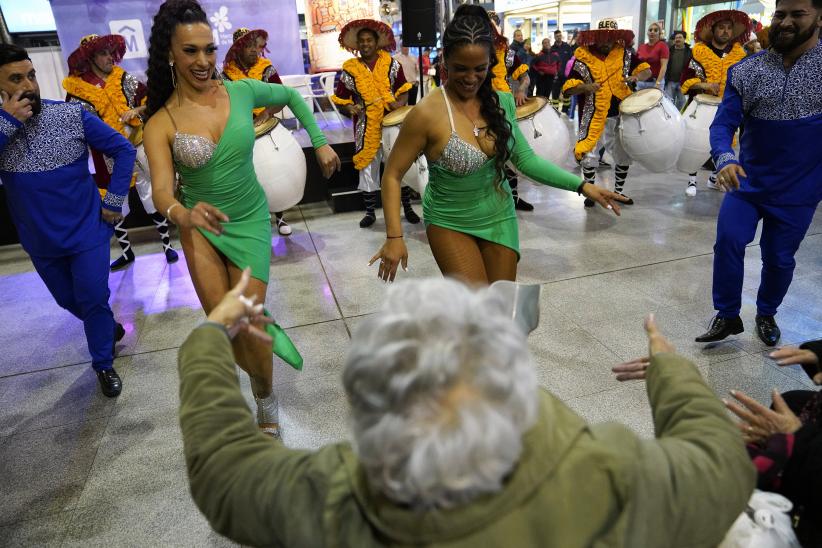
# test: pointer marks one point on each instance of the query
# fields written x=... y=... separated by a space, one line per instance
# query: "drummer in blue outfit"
x=62 y=222
x=777 y=96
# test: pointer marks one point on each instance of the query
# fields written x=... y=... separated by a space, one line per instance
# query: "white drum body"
x=417 y=176
x=698 y=118
x=548 y=135
x=651 y=130
x=280 y=165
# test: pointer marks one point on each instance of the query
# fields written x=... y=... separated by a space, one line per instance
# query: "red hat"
x=605 y=34
x=90 y=45
x=741 y=21
x=242 y=37
x=385 y=36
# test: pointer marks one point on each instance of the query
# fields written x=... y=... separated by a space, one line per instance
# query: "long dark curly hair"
x=469 y=26
x=171 y=14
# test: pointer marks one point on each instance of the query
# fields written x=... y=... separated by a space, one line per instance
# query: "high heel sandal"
x=268 y=415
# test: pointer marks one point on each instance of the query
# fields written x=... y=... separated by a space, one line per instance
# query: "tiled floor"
x=80 y=469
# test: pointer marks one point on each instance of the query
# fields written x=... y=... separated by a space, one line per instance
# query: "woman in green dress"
x=202 y=128
x=468 y=132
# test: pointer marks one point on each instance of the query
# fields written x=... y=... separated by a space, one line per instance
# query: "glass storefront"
x=540 y=21
x=684 y=14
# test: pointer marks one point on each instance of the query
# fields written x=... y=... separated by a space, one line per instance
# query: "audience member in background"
x=426 y=70
x=546 y=68
x=517 y=45
x=785 y=442
x=679 y=57
x=751 y=47
x=528 y=58
x=655 y=53
x=454 y=443
x=564 y=51
x=411 y=68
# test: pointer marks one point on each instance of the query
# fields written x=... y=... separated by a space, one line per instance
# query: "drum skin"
x=698 y=117
x=652 y=130
x=417 y=175
x=280 y=165
x=547 y=134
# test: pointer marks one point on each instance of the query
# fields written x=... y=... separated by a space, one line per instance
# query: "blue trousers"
x=79 y=283
x=783 y=228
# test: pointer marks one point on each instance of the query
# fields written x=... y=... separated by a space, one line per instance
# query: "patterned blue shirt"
x=52 y=197
x=781 y=112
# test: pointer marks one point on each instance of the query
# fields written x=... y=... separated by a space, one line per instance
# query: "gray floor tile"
x=323 y=347
x=37 y=532
x=752 y=375
x=626 y=404
x=44 y=470
x=313 y=412
x=63 y=396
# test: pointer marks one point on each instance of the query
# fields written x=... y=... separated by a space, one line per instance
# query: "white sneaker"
x=691 y=190
x=283 y=227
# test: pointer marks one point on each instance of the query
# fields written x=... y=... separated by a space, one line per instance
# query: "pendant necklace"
x=476 y=130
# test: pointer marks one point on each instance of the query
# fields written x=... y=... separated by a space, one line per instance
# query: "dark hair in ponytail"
x=171 y=14
x=466 y=29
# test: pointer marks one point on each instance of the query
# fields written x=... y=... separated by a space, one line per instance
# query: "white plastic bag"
x=764 y=524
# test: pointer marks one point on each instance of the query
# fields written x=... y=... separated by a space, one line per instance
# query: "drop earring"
x=173 y=77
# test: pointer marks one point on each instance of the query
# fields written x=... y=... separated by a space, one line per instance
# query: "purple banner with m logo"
x=133 y=18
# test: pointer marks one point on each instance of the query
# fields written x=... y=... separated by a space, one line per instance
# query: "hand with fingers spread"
x=204 y=216
x=520 y=98
x=328 y=160
x=391 y=255
x=758 y=423
x=728 y=177
x=239 y=313
x=17 y=106
x=606 y=198
x=637 y=368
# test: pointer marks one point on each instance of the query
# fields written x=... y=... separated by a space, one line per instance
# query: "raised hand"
x=21 y=109
x=758 y=423
x=238 y=313
x=637 y=368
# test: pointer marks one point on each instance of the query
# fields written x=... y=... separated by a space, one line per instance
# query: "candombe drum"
x=651 y=129
x=141 y=172
x=698 y=118
x=417 y=175
x=280 y=165
x=544 y=130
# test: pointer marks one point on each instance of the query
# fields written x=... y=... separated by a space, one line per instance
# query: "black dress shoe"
x=722 y=328
x=119 y=333
x=110 y=383
x=767 y=330
x=411 y=216
x=589 y=202
x=522 y=205
x=368 y=220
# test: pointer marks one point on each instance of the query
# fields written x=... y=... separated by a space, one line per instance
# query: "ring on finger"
x=206 y=214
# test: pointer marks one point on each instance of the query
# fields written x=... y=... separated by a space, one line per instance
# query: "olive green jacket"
x=575 y=485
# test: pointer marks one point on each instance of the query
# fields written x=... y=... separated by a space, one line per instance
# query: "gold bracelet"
x=168 y=211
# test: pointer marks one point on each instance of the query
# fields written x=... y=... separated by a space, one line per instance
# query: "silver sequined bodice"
x=192 y=151
x=461 y=157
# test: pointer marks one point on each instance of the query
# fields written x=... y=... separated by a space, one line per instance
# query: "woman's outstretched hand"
x=328 y=160
x=239 y=313
x=606 y=198
x=392 y=253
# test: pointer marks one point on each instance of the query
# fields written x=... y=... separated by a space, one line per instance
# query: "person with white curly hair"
x=454 y=443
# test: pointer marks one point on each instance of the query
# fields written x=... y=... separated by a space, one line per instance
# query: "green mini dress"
x=222 y=175
x=462 y=196
x=225 y=178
